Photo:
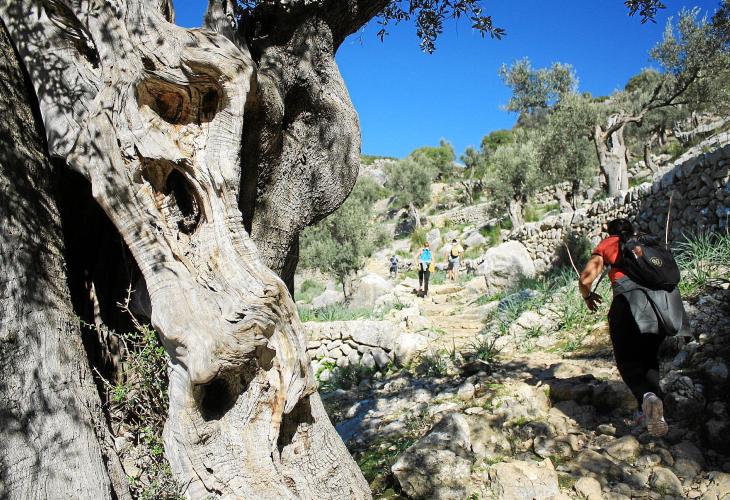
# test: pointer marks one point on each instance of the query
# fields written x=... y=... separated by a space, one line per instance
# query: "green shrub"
x=580 y=249
x=308 y=291
x=485 y=348
x=336 y=312
x=492 y=234
x=418 y=239
x=433 y=365
x=138 y=402
x=704 y=260
x=437 y=278
x=345 y=377
x=674 y=148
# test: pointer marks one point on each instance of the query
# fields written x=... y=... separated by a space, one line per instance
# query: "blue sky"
x=407 y=99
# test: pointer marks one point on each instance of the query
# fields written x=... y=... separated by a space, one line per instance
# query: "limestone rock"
x=417 y=323
x=466 y=391
x=524 y=480
x=665 y=482
x=588 y=488
x=505 y=264
x=475 y=240
x=408 y=346
x=439 y=465
x=327 y=298
x=612 y=395
x=688 y=459
x=592 y=461
x=625 y=448
x=369 y=289
x=719 y=487
x=487 y=439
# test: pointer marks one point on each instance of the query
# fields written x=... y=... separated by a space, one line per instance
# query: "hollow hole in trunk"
x=177 y=104
x=179 y=188
x=175 y=195
x=215 y=399
x=295 y=422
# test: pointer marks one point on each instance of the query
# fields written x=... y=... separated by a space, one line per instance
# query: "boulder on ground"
x=439 y=465
x=625 y=448
x=369 y=289
x=588 y=488
x=408 y=346
x=487 y=439
x=524 y=480
x=328 y=298
x=505 y=264
x=665 y=482
x=475 y=240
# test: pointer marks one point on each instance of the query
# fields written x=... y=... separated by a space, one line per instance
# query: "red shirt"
x=608 y=249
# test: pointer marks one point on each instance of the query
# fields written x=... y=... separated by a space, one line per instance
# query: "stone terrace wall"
x=475 y=215
x=361 y=342
x=700 y=192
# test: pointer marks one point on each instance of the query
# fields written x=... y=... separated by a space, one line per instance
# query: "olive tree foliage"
x=565 y=152
x=513 y=175
x=340 y=244
x=693 y=58
x=410 y=184
x=550 y=106
x=534 y=90
x=476 y=164
x=437 y=159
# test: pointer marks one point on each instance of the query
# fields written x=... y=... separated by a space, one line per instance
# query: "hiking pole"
x=669 y=213
x=571 y=259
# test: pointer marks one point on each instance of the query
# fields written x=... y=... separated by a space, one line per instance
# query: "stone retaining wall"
x=699 y=188
x=362 y=342
x=479 y=215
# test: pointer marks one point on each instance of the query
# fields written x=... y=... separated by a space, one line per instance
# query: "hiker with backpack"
x=646 y=308
x=394 y=266
x=456 y=252
x=425 y=266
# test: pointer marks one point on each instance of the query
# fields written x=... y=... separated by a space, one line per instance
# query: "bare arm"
x=592 y=270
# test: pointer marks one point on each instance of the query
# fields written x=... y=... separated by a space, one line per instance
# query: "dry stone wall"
x=699 y=188
x=363 y=342
x=478 y=215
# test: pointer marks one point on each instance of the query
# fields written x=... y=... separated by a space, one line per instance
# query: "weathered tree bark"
x=153 y=115
x=648 y=160
x=414 y=215
x=515 y=211
x=54 y=440
x=302 y=141
x=612 y=151
x=565 y=205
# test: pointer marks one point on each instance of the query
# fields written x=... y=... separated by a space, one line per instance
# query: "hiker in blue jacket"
x=640 y=316
x=425 y=263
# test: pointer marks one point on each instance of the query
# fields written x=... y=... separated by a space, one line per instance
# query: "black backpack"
x=649 y=262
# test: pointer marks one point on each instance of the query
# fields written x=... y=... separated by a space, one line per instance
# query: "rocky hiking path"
x=539 y=421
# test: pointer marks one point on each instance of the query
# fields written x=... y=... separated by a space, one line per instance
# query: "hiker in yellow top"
x=456 y=253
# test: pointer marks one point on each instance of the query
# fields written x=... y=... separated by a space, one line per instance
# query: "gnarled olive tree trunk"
x=54 y=442
x=612 y=154
x=178 y=132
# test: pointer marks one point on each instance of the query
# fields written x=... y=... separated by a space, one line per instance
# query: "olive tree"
x=208 y=150
x=514 y=176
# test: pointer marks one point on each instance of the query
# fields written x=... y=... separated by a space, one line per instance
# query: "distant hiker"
x=646 y=308
x=394 y=266
x=456 y=252
x=425 y=266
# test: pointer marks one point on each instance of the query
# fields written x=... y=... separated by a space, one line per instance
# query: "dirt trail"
x=543 y=400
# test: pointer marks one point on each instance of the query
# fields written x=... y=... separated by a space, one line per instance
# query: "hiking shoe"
x=653 y=410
